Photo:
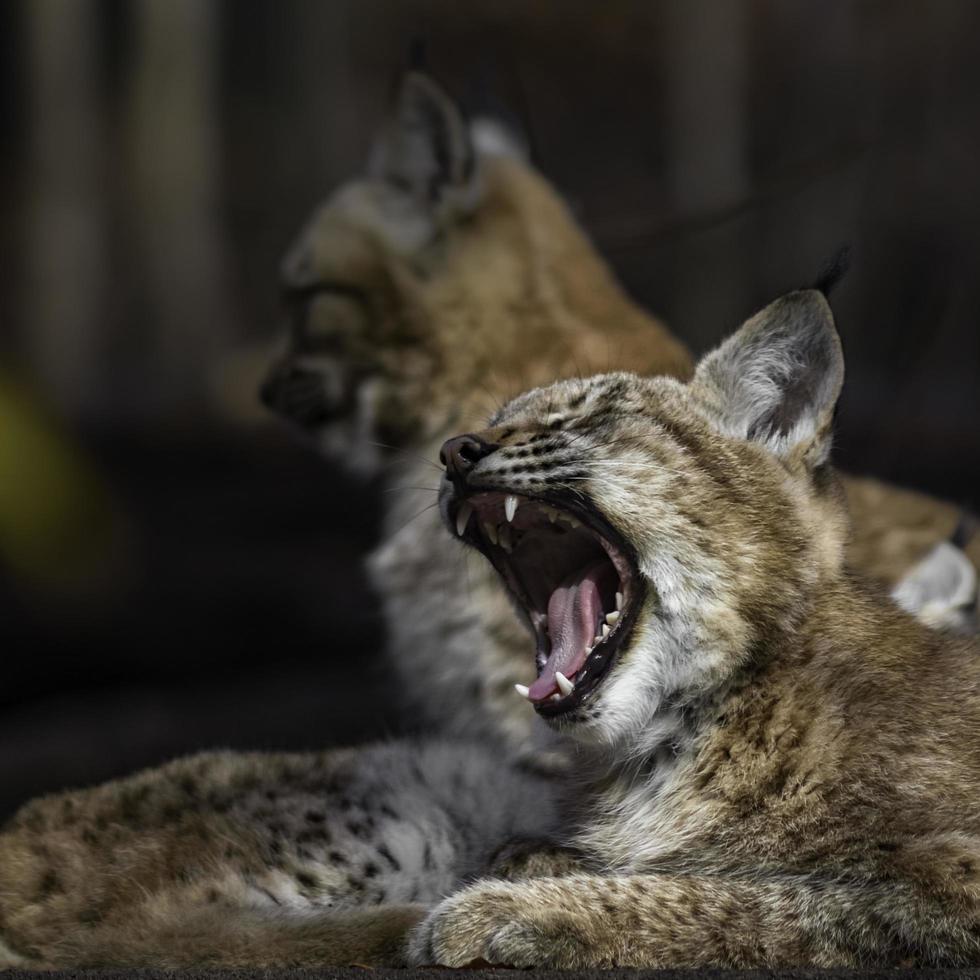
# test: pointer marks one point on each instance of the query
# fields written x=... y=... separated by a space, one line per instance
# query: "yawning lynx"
x=428 y=292
x=778 y=766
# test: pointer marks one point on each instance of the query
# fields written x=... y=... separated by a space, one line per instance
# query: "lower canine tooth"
x=564 y=684
x=522 y=690
x=505 y=537
x=490 y=530
x=510 y=507
x=463 y=516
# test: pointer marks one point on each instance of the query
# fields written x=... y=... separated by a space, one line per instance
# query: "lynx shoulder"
x=783 y=765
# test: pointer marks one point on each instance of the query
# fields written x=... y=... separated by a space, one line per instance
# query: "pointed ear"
x=426 y=148
x=776 y=381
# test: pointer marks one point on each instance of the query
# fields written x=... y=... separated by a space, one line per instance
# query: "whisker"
x=415 y=517
x=409 y=487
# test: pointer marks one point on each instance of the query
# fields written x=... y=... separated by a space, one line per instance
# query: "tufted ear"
x=777 y=379
x=426 y=148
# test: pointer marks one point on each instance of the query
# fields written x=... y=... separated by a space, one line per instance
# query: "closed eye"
x=326 y=316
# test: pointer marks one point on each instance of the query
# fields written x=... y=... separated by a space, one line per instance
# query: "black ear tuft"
x=834 y=271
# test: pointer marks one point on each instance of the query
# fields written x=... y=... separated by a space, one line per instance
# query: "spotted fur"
x=780 y=766
x=445 y=280
x=238 y=859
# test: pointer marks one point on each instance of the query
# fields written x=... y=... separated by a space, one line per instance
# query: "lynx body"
x=778 y=765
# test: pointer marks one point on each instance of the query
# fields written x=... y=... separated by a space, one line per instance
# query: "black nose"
x=461 y=454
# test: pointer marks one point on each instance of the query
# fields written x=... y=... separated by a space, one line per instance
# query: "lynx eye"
x=326 y=317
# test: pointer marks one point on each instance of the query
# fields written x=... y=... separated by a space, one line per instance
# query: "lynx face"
x=350 y=357
x=358 y=285
x=396 y=290
x=651 y=533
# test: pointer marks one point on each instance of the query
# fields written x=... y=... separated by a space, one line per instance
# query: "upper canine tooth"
x=619 y=601
x=510 y=507
x=463 y=516
x=522 y=690
x=612 y=618
x=564 y=684
x=490 y=530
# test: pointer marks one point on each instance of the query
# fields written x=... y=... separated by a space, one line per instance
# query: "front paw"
x=496 y=922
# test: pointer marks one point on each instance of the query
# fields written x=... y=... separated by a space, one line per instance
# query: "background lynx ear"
x=776 y=381
x=941 y=590
x=426 y=148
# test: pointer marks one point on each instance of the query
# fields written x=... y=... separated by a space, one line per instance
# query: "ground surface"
x=360 y=974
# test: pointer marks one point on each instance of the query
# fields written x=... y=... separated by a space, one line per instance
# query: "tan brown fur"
x=780 y=766
x=488 y=288
x=894 y=528
x=262 y=860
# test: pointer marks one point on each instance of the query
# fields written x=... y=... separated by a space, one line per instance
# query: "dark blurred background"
x=175 y=571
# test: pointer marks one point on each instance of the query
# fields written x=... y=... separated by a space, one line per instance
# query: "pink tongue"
x=573 y=617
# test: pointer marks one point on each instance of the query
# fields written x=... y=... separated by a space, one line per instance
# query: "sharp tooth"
x=564 y=684
x=510 y=507
x=490 y=530
x=551 y=514
x=605 y=631
x=463 y=516
x=506 y=538
x=555 y=697
x=619 y=601
x=522 y=690
x=612 y=618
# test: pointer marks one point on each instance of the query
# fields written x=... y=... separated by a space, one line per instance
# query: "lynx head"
x=426 y=287
x=656 y=535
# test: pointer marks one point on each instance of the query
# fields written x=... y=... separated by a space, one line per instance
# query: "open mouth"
x=571 y=573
